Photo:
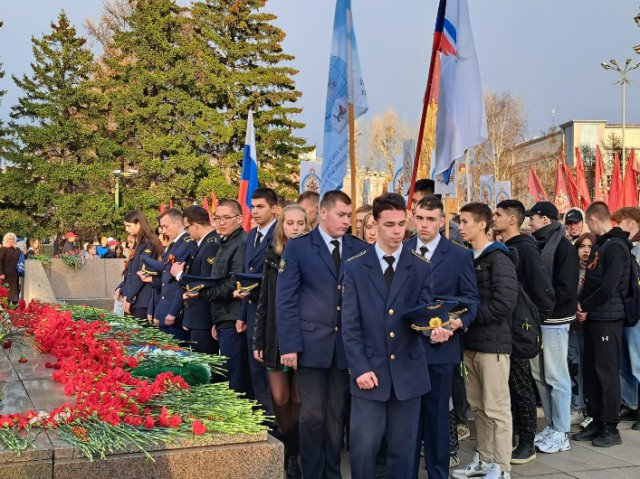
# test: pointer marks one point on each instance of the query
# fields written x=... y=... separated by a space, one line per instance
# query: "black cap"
x=543 y=208
x=573 y=216
x=427 y=317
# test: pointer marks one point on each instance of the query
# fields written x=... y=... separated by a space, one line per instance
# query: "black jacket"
x=265 y=334
x=229 y=259
x=607 y=277
x=498 y=288
x=532 y=274
x=565 y=276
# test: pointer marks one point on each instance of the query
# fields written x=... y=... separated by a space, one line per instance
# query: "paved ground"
x=583 y=461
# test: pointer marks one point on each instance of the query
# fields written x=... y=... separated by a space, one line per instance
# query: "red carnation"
x=198 y=428
x=149 y=422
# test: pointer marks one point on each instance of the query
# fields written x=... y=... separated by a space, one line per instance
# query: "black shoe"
x=589 y=434
x=628 y=414
x=609 y=437
x=636 y=426
x=293 y=468
x=523 y=454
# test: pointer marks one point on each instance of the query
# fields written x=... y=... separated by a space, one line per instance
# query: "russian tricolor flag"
x=249 y=179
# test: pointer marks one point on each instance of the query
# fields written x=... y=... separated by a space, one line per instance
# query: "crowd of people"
x=318 y=323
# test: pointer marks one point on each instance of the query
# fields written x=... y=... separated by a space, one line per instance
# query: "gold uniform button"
x=338 y=308
x=162 y=297
x=392 y=334
x=251 y=268
x=337 y=329
x=392 y=357
x=339 y=286
x=250 y=302
x=391 y=312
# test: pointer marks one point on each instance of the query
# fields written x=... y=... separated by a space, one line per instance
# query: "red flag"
x=600 y=193
x=561 y=199
x=581 y=180
x=162 y=208
x=214 y=200
x=630 y=184
x=535 y=186
x=573 y=189
x=615 y=192
x=205 y=205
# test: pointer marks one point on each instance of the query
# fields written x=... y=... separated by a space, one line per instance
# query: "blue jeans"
x=575 y=357
x=550 y=371
x=630 y=366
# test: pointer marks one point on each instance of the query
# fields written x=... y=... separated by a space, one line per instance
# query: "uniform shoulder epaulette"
x=211 y=260
x=360 y=254
x=301 y=235
x=417 y=255
x=188 y=239
x=459 y=244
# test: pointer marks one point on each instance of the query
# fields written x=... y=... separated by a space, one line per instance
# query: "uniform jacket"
x=453 y=275
x=309 y=299
x=253 y=263
x=197 y=311
x=498 y=288
x=376 y=337
x=171 y=302
x=265 y=333
x=137 y=292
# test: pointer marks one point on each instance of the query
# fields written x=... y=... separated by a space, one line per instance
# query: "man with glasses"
x=197 y=311
x=227 y=330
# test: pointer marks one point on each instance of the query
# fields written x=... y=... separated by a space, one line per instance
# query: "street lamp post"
x=121 y=174
x=624 y=81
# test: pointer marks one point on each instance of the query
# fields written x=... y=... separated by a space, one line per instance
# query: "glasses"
x=186 y=227
x=223 y=219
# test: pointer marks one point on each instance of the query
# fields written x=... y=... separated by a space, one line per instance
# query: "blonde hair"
x=279 y=236
x=363 y=228
x=9 y=236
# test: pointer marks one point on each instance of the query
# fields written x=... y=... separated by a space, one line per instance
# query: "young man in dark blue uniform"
x=196 y=319
x=264 y=202
x=453 y=275
x=385 y=355
x=169 y=309
x=308 y=310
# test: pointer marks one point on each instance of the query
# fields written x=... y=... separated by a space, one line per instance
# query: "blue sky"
x=546 y=51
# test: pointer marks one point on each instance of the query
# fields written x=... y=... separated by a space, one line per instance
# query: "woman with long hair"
x=135 y=292
x=284 y=391
x=368 y=230
x=9 y=257
x=35 y=248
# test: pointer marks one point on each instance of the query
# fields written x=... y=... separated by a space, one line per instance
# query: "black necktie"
x=388 y=273
x=423 y=250
x=258 y=239
x=336 y=253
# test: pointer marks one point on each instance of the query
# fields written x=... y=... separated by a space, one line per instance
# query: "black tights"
x=286 y=406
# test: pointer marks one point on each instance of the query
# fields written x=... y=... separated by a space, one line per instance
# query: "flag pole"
x=467 y=172
x=425 y=105
x=352 y=127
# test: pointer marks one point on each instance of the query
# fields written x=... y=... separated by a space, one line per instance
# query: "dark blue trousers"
x=321 y=426
x=176 y=330
x=434 y=423
x=395 y=422
x=258 y=373
x=234 y=347
x=202 y=341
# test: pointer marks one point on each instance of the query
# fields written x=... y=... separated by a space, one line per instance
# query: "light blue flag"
x=345 y=86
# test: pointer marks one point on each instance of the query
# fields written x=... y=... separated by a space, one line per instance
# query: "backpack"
x=526 y=336
x=20 y=266
x=631 y=300
x=525 y=327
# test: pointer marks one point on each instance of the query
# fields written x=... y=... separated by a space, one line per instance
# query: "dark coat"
x=197 y=311
x=498 y=288
x=607 y=277
x=532 y=274
x=137 y=292
x=376 y=337
x=265 y=334
x=309 y=299
x=453 y=275
x=9 y=258
x=229 y=259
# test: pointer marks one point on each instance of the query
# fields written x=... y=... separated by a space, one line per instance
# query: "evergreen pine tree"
x=255 y=76
x=57 y=175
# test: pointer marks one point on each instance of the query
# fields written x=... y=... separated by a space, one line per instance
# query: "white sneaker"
x=476 y=468
x=541 y=436
x=576 y=417
x=496 y=473
x=555 y=442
